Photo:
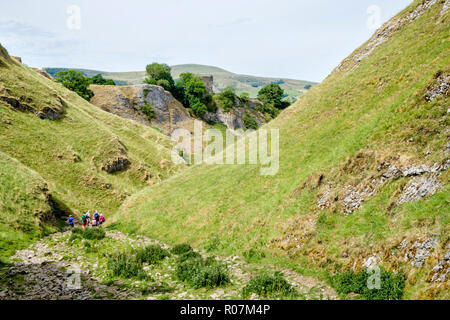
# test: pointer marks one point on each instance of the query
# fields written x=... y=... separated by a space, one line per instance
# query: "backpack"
x=96 y=216
x=83 y=218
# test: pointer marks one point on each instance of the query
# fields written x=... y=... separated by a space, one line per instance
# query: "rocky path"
x=55 y=269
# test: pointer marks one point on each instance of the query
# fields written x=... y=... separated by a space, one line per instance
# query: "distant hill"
x=222 y=79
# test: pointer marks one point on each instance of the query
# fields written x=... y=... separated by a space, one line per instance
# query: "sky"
x=298 y=39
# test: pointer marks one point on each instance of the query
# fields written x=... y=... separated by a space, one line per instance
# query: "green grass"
x=375 y=108
x=68 y=154
x=25 y=213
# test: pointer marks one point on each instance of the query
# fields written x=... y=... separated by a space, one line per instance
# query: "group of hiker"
x=97 y=219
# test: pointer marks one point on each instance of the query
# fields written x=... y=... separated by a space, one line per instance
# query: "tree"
x=273 y=94
x=158 y=72
x=76 y=82
x=194 y=88
x=227 y=98
x=98 y=79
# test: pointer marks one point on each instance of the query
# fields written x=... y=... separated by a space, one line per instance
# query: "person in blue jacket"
x=71 y=221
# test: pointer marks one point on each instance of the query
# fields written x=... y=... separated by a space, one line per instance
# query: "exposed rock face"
x=129 y=101
x=116 y=165
x=53 y=112
x=383 y=34
x=169 y=114
x=18 y=59
x=234 y=119
x=44 y=73
x=418 y=188
x=440 y=87
x=423 y=181
x=117 y=159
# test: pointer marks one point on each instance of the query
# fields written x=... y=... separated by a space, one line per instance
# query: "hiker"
x=84 y=220
x=102 y=219
x=88 y=217
x=71 y=224
x=96 y=218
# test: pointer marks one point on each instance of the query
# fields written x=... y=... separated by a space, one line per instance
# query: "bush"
x=188 y=255
x=125 y=265
x=202 y=273
x=89 y=234
x=227 y=98
x=151 y=254
x=244 y=97
x=268 y=286
x=98 y=79
x=181 y=248
x=253 y=255
x=199 y=109
x=148 y=111
x=76 y=82
x=94 y=233
x=391 y=284
x=250 y=123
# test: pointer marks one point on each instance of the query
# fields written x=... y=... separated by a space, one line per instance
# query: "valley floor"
x=49 y=268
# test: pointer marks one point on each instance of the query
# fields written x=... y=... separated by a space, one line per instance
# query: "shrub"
x=181 y=248
x=98 y=79
x=124 y=264
x=151 y=254
x=202 y=273
x=89 y=234
x=94 y=233
x=268 y=286
x=391 y=284
x=253 y=255
x=148 y=111
x=250 y=123
x=227 y=98
x=244 y=97
x=76 y=82
x=188 y=255
x=199 y=109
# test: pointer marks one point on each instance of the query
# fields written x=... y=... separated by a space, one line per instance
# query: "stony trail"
x=55 y=269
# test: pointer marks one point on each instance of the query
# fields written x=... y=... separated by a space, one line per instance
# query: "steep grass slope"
x=222 y=79
x=24 y=205
x=89 y=158
x=345 y=190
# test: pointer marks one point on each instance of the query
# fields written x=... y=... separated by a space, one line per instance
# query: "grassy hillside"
x=369 y=114
x=25 y=212
x=222 y=79
x=76 y=153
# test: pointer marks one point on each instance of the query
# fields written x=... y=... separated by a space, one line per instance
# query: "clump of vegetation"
x=160 y=75
x=196 y=96
x=269 y=286
x=202 y=273
x=188 y=255
x=125 y=264
x=271 y=97
x=250 y=123
x=151 y=254
x=391 y=284
x=148 y=111
x=76 y=82
x=253 y=255
x=88 y=234
x=98 y=79
x=244 y=97
x=227 y=98
x=182 y=248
